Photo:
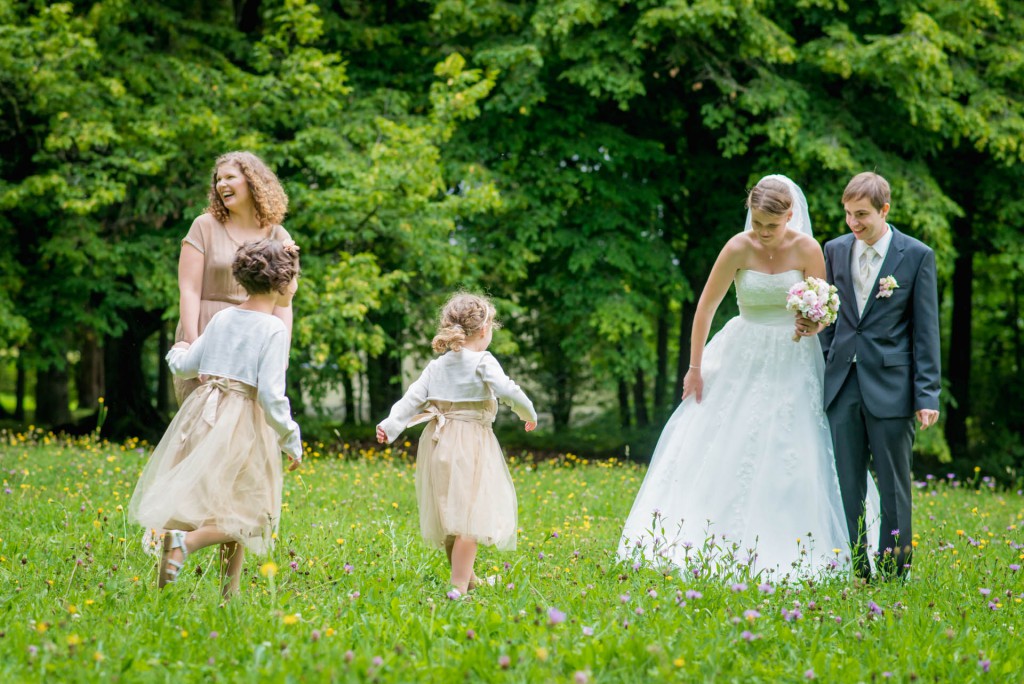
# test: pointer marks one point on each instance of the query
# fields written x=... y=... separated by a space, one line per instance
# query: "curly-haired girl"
x=215 y=477
x=463 y=486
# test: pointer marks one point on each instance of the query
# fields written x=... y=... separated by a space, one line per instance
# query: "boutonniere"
x=886 y=286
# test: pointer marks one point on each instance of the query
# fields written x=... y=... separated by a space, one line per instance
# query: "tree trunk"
x=19 y=391
x=384 y=373
x=661 y=408
x=625 y=415
x=688 y=311
x=164 y=390
x=52 y=397
x=351 y=400
x=131 y=412
x=89 y=372
x=959 y=372
x=643 y=418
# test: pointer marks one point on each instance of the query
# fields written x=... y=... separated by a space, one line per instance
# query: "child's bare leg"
x=232 y=558
x=449 y=544
x=463 y=556
x=199 y=539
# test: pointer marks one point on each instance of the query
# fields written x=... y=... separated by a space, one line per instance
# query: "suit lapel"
x=841 y=272
x=889 y=265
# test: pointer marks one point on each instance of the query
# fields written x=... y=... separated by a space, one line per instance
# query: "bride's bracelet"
x=692 y=366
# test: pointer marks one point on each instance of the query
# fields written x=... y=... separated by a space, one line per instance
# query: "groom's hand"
x=927 y=417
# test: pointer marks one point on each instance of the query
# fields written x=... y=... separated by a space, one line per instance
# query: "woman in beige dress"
x=246 y=203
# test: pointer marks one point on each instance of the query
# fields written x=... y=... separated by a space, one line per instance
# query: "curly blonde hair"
x=268 y=197
x=463 y=316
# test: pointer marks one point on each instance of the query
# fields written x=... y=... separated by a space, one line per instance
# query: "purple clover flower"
x=555 y=616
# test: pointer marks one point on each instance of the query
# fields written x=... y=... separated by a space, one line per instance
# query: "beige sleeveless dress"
x=220 y=290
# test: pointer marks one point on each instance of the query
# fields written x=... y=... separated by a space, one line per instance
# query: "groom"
x=881 y=366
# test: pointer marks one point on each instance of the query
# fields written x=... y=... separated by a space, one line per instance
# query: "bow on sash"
x=218 y=386
x=442 y=418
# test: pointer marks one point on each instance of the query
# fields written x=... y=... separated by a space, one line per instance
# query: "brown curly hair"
x=264 y=266
x=268 y=197
x=463 y=316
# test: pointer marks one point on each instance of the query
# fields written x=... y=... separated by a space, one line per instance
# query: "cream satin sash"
x=218 y=386
x=478 y=416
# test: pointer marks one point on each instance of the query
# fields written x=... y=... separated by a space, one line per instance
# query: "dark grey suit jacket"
x=896 y=340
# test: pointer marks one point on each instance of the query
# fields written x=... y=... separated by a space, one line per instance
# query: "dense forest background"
x=580 y=160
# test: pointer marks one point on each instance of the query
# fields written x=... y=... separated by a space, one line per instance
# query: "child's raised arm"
x=505 y=389
x=402 y=412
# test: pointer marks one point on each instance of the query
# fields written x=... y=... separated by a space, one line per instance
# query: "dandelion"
x=555 y=616
x=268 y=569
x=291 y=619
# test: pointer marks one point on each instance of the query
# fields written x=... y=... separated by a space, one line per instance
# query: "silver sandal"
x=169 y=569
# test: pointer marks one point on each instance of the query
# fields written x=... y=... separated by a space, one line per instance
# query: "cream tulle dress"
x=219 y=462
x=220 y=289
x=463 y=486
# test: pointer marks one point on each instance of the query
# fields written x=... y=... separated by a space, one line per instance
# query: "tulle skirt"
x=219 y=463
x=463 y=485
x=745 y=481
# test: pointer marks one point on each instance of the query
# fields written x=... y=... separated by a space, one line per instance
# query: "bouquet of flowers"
x=815 y=299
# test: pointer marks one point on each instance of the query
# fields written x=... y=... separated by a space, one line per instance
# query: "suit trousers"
x=860 y=440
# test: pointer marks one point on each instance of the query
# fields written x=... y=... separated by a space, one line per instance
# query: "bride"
x=742 y=480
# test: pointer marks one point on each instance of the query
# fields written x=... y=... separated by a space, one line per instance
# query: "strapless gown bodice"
x=762 y=296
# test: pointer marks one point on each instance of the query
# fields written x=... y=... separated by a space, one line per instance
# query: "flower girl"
x=215 y=477
x=463 y=485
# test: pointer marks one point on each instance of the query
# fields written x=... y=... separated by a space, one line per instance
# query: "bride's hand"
x=805 y=327
x=693 y=383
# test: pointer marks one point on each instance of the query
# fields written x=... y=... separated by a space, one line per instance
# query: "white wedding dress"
x=744 y=482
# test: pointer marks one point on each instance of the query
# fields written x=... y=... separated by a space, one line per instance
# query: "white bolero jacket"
x=458 y=376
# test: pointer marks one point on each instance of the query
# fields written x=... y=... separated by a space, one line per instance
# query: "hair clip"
x=290 y=246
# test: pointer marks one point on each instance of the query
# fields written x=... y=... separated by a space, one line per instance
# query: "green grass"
x=78 y=598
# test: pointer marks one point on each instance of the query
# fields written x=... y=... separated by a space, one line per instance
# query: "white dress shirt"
x=881 y=247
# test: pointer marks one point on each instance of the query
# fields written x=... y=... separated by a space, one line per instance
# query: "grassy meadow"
x=351 y=594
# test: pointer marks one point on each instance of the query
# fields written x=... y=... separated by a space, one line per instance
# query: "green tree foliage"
x=581 y=160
